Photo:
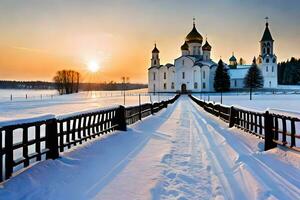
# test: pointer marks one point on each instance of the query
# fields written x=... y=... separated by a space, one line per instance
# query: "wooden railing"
x=33 y=140
x=274 y=128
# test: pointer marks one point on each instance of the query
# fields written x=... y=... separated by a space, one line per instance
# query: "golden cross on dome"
x=194 y=21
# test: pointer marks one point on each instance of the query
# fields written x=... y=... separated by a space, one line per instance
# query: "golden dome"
x=194 y=36
x=185 y=46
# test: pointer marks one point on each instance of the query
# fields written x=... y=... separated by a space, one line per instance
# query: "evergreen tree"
x=222 y=79
x=254 y=78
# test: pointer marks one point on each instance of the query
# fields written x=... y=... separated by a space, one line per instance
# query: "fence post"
x=232 y=117
x=52 y=139
x=269 y=134
x=140 y=108
x=152 y=111
x=121 y=119
x=9 y=159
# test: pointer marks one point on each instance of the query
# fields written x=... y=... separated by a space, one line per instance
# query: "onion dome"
x=194 y=36
x=206 y=46
x=232 y=58
x=155 y=50
x=267 y=34
x=185 y=46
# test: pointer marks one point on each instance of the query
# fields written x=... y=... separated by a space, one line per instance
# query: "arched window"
x=165 y=86
x=153 y=87
x=274 y=60
x=272 y=68
x=165 y=75
x=235 y=83
x=267 y=60
x=183 y=75
x=154 y=76
x=182 y=62
x=203 y=74
x=264 y=50
x=154 y=62
x=195 y=85
x=203 y=85
x=172 y=85
x=268 y=50
x=267 y=69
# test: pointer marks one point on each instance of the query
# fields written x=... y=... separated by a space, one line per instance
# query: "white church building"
x=194 y=70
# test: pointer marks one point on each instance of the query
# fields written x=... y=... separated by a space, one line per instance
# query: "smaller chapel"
x=194 y=70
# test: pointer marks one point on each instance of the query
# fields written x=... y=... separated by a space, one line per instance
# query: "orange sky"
x=40 y=37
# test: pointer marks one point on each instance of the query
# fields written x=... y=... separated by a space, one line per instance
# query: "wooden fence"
x=275 y=129
x=25 y=143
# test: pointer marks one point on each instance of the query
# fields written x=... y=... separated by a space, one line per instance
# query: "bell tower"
x=267 y=60
x=155 y=61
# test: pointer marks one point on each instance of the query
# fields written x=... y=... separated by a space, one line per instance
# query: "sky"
x=40 y=37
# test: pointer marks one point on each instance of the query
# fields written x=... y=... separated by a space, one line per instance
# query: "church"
x=194 y=70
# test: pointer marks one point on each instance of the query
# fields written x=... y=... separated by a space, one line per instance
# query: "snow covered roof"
x=238 y=73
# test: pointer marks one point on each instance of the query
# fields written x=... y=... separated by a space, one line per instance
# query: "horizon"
x=39 y=38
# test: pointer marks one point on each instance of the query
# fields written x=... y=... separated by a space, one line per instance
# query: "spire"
x=194 y=21
x=155 y=50
x=267 y=34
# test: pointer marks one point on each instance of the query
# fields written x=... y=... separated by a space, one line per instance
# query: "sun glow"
x=93 y=66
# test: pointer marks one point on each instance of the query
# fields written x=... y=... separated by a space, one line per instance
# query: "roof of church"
x=194 y=36
x=185 y=46
x=267 y=34
x=155 y=50
x=238 y=73
x=232 y=58
x=206 y=46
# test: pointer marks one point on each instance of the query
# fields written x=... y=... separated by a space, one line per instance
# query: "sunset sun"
x=93 y=66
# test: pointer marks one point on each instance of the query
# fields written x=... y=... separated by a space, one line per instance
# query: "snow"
x=181 y=153
x=59 y=105
x=38 y=118
x=261 y=101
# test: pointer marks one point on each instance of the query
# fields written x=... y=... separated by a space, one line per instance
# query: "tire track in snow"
x=273 y=183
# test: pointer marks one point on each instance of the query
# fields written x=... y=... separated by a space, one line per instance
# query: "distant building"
x=194 y=70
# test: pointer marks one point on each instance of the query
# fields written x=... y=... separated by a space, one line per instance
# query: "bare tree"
x=67 y=81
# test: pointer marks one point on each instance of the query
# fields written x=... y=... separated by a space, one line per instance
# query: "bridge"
x=182 y=151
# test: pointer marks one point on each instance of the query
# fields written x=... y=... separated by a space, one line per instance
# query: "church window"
x=203 y=85
x=272 y=68
x=183 y=75
x=165 y=86
x=274 y=60
x=172 y=85
x=264 y=50
x=203 y=74
x=154 y=76
x=267 y=60
x=195 y=85
x=235 y=83
x=153 y=87
x=165 y=75
x=182 y=62
x=268 y=50
x=268 y=44
x=267 y=69
x=154 y=62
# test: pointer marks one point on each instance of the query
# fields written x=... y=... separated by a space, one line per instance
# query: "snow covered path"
x=180 y=153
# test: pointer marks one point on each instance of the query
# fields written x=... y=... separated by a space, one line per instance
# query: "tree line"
x=289 y=72
x=5 y=84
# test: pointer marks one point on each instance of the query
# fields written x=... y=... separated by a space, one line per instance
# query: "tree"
x=67 y=81
x=241 y=61
x=254 y=78
x=222 y=79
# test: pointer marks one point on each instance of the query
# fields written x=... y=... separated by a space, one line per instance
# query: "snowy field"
x=288 y=102
x=179 y=153
x=22 y=108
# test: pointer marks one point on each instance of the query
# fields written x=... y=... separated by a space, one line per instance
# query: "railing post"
x=52 y=139
x=140 y=108
x=9 y=156
x=121 y=119
x=232 y=117
x=269 y=134
x=152 y=111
